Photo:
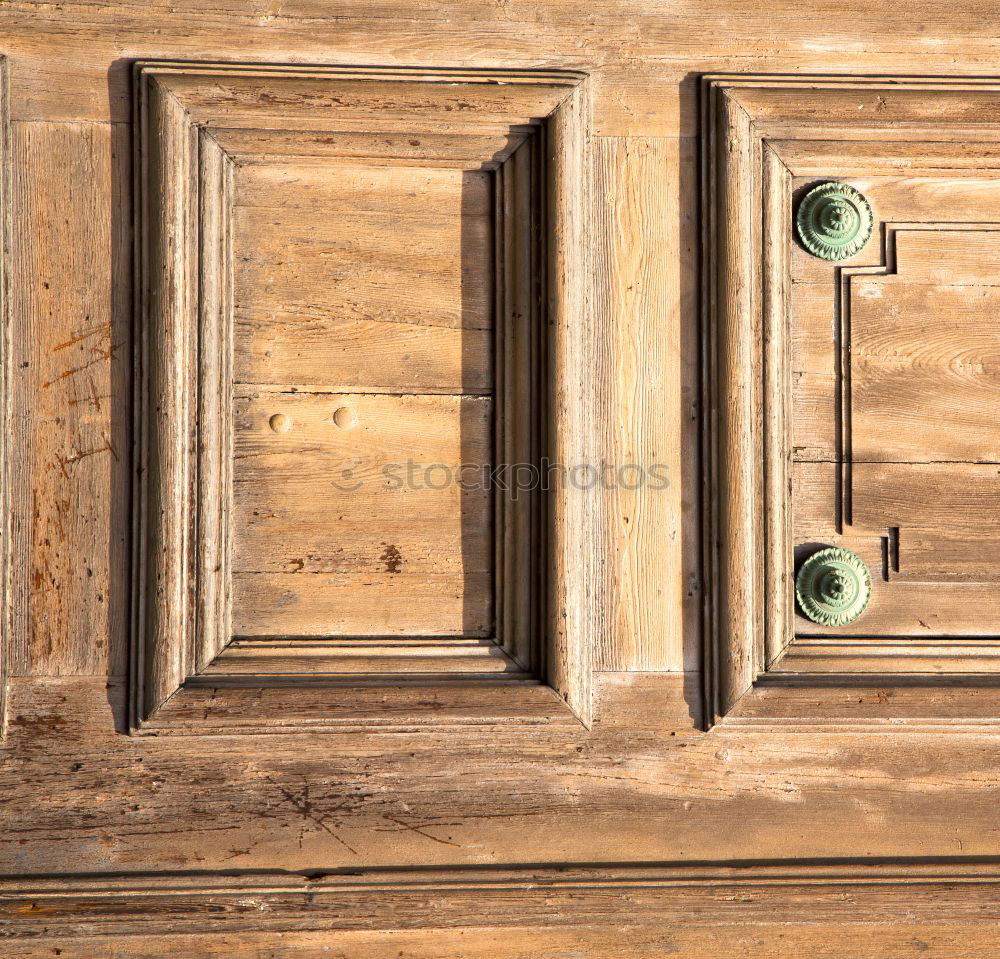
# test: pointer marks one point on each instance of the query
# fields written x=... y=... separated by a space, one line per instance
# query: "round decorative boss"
x=833 y=587
x=834 y=221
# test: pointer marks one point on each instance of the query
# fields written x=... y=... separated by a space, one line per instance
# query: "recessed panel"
x=853 y=379
x=895 y=390
x=363 y=366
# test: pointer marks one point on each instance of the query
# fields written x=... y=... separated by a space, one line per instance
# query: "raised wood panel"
x=919 y=385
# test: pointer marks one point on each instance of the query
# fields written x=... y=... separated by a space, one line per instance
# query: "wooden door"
x=416 y=422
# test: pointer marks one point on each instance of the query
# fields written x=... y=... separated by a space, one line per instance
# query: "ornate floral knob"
x=833 y=587
x=834 y=221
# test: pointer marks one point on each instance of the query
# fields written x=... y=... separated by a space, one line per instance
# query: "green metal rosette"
x=834 y=221
x=833 y=587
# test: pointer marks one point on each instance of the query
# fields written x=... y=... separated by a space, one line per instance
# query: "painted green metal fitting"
x=833 y=587
x=834 y=221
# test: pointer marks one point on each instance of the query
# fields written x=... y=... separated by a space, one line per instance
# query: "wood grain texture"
x=165 y=624
x=755 y=931
x=647 y=87
x=411 y=658
x=327 y=298
x=925 y=391
x=850 y=773
x=359 y=276
x=918 y=397
x=644 y=268
x=724 y=899
x=500 y=263
x=734 y=541
x=369 y=530
x=576 y=599
x=642 y=787
x=70 y=296
x=215 y=510
x=13 y=618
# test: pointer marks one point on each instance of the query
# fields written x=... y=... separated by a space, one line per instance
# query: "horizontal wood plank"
x=357 y=299
x=362 y=528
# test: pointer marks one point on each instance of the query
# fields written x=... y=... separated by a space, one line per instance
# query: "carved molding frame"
x=748 y=123
x=183 y=363
x=662 y=895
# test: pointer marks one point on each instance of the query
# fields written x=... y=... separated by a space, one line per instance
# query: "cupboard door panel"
x=856 y=391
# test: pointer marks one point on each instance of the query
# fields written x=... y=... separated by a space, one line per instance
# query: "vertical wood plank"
x=71 y=296
x=645 y=298
x=166 y=421
x=779 y=578
x=12 y=616
x=578 y=590
x=739 y=580
x=215 y=402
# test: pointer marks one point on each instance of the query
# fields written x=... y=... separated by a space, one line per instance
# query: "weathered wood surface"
x=476 y=786
x=645 y=272
x=362 y=530
x=643 y=55
x=922 y=378
x=746 y=937
x=643 y=786
x=358 y=277
x=890 y=404
x=70 y=277
x=704 y=910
